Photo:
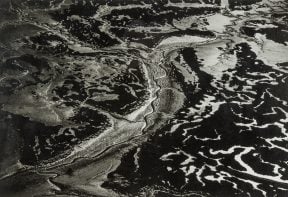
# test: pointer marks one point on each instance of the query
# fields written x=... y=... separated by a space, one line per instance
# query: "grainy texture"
x=143 y=98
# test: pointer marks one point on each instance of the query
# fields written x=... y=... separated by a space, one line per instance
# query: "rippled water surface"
x=144 y=98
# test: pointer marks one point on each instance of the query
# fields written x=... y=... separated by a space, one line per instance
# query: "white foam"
x=182 y=39
x=218 y=22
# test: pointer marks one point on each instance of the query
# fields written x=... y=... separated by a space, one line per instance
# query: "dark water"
x=144 y=98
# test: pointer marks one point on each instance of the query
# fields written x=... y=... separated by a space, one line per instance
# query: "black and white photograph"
x=144 y=98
